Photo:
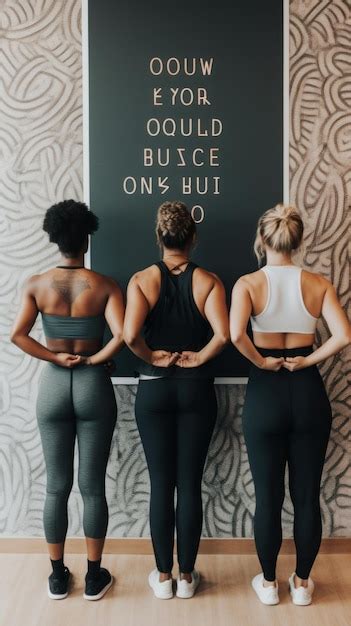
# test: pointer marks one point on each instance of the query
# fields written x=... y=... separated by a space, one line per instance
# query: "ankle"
x=93 y=569
x=269 y=583
x=186 y=576
x=163 y=576
x=58 y=567
x=300 y=582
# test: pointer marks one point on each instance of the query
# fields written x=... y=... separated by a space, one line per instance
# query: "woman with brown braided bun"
x=176 y=323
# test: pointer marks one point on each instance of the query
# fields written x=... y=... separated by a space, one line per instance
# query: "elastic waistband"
x=277 y=352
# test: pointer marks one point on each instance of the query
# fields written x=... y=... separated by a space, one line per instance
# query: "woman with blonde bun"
x=176 y=323
x=287 y=415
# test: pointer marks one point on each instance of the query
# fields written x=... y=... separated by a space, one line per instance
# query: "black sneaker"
x=58 y=586
x=95 y=588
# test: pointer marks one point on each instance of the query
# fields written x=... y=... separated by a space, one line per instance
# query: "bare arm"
x=136 y=313
x=23 y=325
x=216 y=313
x=240 y=311
x=339 y=327
x=114 y=314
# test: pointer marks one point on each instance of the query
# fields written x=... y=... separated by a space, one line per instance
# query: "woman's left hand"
x=85 y=360
x=293 y=363
x=189 y=359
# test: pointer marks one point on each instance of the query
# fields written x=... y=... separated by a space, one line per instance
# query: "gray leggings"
x=77 y=402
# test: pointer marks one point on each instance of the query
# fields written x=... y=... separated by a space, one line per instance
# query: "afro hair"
x=68 y=224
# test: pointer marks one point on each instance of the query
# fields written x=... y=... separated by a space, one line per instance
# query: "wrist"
x=150 y=358
x=308 y=361
x=261 y=362
x=201 y=358
x=54 y=358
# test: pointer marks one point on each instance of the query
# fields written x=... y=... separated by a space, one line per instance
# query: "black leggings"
x=175 y=419
x=287 y=419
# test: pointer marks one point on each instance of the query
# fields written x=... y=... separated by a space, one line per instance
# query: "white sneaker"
x=267 y=595
x=185 y=589
x=302 y=596
x=164 y=590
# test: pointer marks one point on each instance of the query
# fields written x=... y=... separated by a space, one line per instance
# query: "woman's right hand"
x=162 y=358
x=272 y=363
x=65 y=359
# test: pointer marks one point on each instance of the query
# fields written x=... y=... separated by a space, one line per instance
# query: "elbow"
x=224 y=338
x=14 y=337
x=129 y=338
x=236 y=336
x=346 y=339
x=118 y=338
x=343 y=340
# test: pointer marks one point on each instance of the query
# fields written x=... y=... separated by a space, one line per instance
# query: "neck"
x=174 y=253
x=72 y=262
x=278 y=258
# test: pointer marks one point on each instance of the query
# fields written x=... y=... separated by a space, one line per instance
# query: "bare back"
x=75 y=293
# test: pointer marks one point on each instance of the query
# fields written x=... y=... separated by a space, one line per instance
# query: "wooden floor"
x=225 y=597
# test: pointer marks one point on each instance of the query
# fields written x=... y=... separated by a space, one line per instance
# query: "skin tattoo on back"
x=69 y=287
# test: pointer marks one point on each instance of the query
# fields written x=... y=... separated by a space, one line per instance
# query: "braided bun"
x=280 y=229
x=175 y=228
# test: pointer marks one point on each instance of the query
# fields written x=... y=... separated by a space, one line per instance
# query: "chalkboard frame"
x=126 y=380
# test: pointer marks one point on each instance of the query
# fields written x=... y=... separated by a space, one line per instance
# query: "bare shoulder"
x=316 y=280
x=112 y=284
x=34 y=282
x=143 y=277
x=207 y=278
x=253 y=279
x=103 y=280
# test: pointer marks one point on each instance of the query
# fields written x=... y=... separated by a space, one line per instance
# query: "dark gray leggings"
x=72 y=403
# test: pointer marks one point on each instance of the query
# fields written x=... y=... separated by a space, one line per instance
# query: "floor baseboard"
x=143 y=546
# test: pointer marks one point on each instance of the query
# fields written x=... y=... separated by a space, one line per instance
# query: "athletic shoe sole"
x=159 y=597
x=100 y=595
x=302 y=603
x=56 y=596
x=187 y=596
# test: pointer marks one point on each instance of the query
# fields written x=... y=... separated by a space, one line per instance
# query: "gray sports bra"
x=67 y=327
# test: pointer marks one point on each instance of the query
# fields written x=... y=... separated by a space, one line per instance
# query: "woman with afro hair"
x=76 y=398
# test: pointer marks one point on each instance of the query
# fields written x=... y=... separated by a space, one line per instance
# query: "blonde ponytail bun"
x=280 y=229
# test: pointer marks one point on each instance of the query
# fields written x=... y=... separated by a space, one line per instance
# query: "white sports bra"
x=285 y=310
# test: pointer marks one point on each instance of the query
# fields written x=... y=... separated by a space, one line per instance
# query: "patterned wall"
x=41 y=162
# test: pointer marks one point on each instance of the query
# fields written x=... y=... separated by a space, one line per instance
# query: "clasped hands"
x=186 y=358
x=291 y=363
x=65 y=359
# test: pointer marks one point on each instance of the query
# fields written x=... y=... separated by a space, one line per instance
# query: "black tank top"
x=176 y=324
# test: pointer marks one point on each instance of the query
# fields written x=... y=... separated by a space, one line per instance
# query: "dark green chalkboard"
x=245 y=40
